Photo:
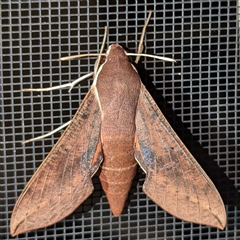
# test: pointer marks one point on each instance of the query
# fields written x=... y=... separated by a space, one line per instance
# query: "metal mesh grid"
x=198 y=95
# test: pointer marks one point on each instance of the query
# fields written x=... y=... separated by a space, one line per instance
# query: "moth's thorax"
x=118 y=82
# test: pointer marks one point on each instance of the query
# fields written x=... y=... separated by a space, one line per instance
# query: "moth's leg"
x=70 y=85
x=48 y=134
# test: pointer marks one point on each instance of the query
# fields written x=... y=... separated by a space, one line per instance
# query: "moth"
x=117 y=127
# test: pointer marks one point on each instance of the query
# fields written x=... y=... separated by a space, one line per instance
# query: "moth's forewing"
x=174 y=179
x=63 y=180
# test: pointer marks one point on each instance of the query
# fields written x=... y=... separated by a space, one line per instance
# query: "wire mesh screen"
x=198 y=95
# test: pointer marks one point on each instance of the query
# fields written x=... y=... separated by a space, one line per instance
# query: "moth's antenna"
x=140 y=45
x=152 y=56
x=80 y=56
x=102 y=48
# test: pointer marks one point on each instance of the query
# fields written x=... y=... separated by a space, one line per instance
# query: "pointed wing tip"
x=222 y=225
x=12 y=228
x=222 y=220
x=14 y=232
x=17 y=231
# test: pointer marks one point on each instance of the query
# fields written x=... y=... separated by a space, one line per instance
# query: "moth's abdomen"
x=119 y=165
x=116 y=183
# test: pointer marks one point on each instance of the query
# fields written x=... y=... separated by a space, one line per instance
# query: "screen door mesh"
x=199 y=95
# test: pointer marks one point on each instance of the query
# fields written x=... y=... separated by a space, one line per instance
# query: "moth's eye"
x=102 y=59
x=131 y=59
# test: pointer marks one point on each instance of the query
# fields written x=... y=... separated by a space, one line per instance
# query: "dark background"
x=199 y=96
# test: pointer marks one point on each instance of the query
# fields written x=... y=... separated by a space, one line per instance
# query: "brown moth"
x=118 y=126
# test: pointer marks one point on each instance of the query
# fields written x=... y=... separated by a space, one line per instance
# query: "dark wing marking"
x=63 y=180
x=174 y=179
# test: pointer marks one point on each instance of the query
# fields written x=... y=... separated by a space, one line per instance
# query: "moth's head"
x=116 y=53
